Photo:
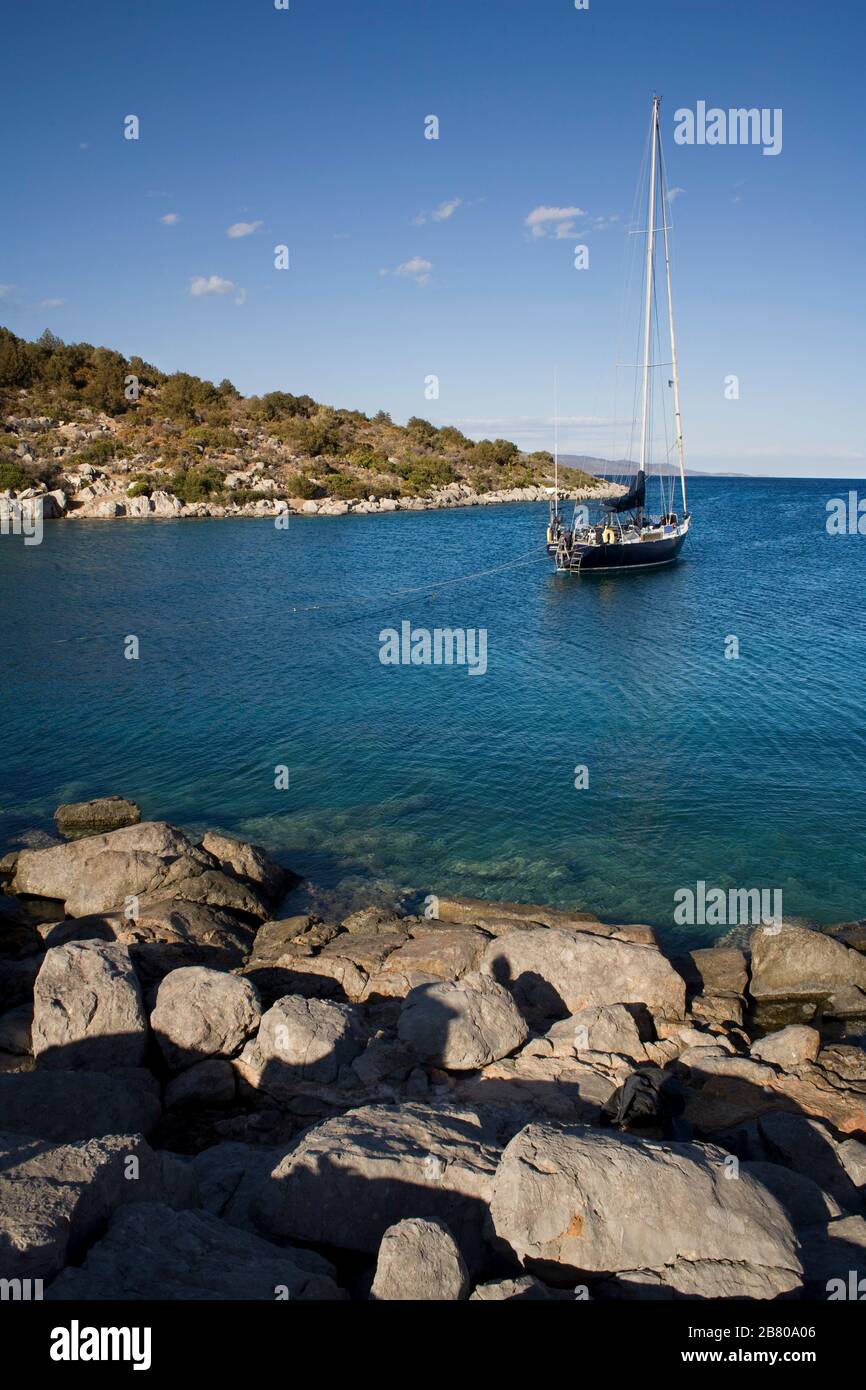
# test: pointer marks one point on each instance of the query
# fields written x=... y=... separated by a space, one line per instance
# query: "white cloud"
x=52 y=303
x=416 y=269
x=202 y=285
x=440 y=213
x=674 y=193
x=243 y=228
x=170 y=219
x=542 y=218
x=446 y=210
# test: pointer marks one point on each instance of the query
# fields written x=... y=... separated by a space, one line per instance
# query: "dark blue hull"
x=616 y=556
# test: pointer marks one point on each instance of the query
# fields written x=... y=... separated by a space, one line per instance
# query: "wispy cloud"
x=243 y=228
x=417 y=269
x=171 y=219
x=440 y=213
x=202 y=286
x=674 y=193
x=558 y=222
x=6 y=291
x=51 y=303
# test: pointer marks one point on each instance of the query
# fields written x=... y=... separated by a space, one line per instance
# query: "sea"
x=629 y=737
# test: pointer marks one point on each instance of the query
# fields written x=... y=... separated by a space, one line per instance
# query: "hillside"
x=91 y=425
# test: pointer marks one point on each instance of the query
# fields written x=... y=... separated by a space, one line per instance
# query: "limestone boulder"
x=345 y=1182
x=461 y=1025
x=790 y=962
x=203 y=1013
x=788 y=1047
x=65 y=1106
x=419 y=1261
x=88 y=1009
x=553 y=973
x=572 y=1202
x=152 y=1252
x=302 y=1040
x=104 y=813
x=446 y=952
x=54 y=1198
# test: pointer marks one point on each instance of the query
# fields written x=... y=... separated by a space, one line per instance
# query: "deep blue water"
x=260 y=647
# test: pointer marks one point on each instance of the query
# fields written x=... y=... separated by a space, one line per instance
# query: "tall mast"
x=678 y=422
x=555 y=442
x=650 y=244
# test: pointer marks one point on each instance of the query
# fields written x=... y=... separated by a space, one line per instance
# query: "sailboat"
x=627 y=534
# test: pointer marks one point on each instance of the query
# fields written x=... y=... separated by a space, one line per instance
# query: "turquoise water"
x=260 y=648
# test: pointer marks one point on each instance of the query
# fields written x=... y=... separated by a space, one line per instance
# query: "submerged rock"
x=103 y=813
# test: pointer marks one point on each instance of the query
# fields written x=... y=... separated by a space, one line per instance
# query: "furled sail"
x=633 y=498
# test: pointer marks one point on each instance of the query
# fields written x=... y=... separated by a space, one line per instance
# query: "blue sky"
x=306 y=128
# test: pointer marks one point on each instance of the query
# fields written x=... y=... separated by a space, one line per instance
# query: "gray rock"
x=152 y=1252
x=87 y=1008
x=151 y=862
x=804 y=1201
x=480 y=912
x=208 y=1083
x=301 y=1040
x=203 y=1013
x=65 y=1106
x=102 y=814
x=347 y=1180
x=791 y=962
x=607 y=1028
x=15 y=1030
x=522 y=1290
x=788 y=1047
x=419 y=1261
x=53 y=1198
x=227 y=1179
x=578 y=1201
x=247 y=861
x=446 y=952
x=834 y=1260
x=718 y=970
x=554 y=973
x=806 y=1146
x=461 y=1026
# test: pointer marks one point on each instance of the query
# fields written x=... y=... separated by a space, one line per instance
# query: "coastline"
x=429 y=1097
x=106 y=503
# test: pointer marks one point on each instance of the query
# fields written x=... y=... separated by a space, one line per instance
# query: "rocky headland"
x=206 y=1095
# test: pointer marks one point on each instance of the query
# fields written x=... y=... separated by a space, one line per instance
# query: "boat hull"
x=587 y=559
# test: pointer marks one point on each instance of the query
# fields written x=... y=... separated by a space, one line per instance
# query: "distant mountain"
x=613 y=468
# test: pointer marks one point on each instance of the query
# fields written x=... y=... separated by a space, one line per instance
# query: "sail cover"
x=631 y=499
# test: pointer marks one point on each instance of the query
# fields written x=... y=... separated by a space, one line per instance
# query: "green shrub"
x=12 y=476
x=140 y=488
x=196 y=484
x=370 y=458
x=211 y=437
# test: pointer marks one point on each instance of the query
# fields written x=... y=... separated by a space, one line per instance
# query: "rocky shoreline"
x=100 y=500
x=201 y=1097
